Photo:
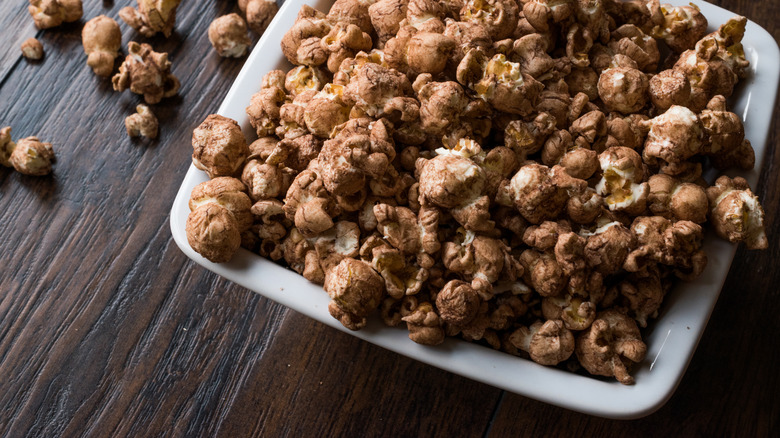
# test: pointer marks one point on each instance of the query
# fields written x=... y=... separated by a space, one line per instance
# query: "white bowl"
x=672 y=339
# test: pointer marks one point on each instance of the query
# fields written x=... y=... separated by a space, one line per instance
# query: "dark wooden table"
x=106 y=328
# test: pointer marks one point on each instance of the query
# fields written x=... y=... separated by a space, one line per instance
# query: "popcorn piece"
x=307 y=204
x=548 y=343
x=542 y=272
x=592 y=128
x=526 y=138
x=457 y=303
x=304 y=78
x=623 y=89
x=661 y=241
x=414 y=235
x=612 y=342
x=538 y=192
x=584 y=207
x=219 y=147
x=378 y=91
x=682 y=26
x=673 y=199
x=479 y=259
x=540 y=13
x=259 y=13
x=32 y=49
x=448 y=181
x=347 y=160
x=29 y=155
x=674 y=136
x=342 y=42
x=228 y=192
x=292 y=116
x=219 y=214
x=212 y=232
x=708 y=74
x=428 y=52
x=425 y=326
x=351 y=12
x=629 y=40
x=442 y=104
x=467 y=35
x=728 y=39
x=578 y=159
x=7 y=146
x=151 y=17
x=143 y=123
x=724 y=137
x=622 y=179
x=545 y=235
x=356 y=290
x=270 y=221
x=297 y=153
x=579 y=42
x=457 y=183
x=498 y=17
x=146 y=72
x=52 y=13
x=531 y=52
x=228 y=36
x=669 y=87
x=402 y=277
x=340 y=242
x=326 y=110
x=102 y=40
x=301 y=256
x=575 y=313
x=736 y=213
x=265 y=180
x=499 y=82
x=629 y=131
x=386 y=16
x=608 y=246
x=264 y=110
x=425 y=16
x=301 y=44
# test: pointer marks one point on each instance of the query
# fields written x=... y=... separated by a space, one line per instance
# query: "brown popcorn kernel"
x=213 y=233
x=228 y=36
x=52 y=13
x=259 y=13
x=548 y=343
x=147 y=73
x=356 y=290
x=673 y=199
x=102 y=40
x=612 y=342
x=669 y=87
x=32 y=49
x=736 y=213
x=151 y=17
x=30 y=156
x=425 y=326
x=219 y=146
x=143 y=123
x=457 y=303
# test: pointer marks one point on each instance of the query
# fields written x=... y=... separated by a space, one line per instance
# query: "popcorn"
x=526 y=180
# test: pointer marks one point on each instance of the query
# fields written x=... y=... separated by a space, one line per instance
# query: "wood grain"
x=107 y=329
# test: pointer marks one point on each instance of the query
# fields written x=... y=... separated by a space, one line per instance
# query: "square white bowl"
x=672 y=338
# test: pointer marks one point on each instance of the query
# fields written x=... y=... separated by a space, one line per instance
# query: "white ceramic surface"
x=673 y=337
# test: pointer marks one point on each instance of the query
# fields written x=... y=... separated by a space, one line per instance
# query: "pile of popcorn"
x=522 y=173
